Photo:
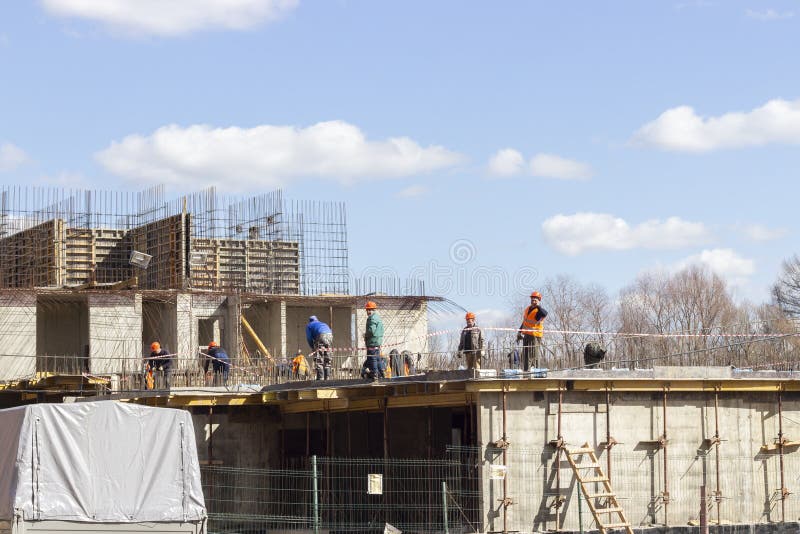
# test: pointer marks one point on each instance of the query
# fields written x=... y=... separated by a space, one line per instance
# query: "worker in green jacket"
x=373 y=339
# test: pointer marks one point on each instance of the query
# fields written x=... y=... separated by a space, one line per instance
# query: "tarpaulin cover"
x=99 y=462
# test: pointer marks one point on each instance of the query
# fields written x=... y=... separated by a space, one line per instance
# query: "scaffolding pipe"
x=781 y=442
x=558 y=459
x=666 y=466
x=609 y=439
x=444 y=507
x=316 y=496
x=718 y=491
x=505 y=459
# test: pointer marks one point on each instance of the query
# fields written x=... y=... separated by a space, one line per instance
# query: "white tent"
x=99 y=462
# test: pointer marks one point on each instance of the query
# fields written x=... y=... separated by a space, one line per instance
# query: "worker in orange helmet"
x=158 y=366
x=471 y=343
x=531 y=331
x=373 y=339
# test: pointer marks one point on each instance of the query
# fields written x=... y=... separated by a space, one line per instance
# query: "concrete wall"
x=190 y=310
x=62 y=334
x=246 y=437
x=159 y=323
x=17 y=335
x=115 y=333
x=749 y=478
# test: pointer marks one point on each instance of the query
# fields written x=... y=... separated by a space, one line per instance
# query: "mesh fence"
x=458 y=494
x=346 y=495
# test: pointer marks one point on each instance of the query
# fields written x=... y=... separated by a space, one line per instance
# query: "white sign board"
x=497 y=472
x=375 y=484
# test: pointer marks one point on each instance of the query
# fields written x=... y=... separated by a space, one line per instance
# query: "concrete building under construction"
x=88 y=280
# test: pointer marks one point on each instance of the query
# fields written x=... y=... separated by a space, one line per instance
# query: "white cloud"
x=509 y=162
x=172 y=17
x=506 y=162
x=11 y=157
x=769 y=15
x=267 y=156
x=413 y=191
x=575 y=234
x=681 y=129
x=724 y=262
x=759 y=232
x=552 y=166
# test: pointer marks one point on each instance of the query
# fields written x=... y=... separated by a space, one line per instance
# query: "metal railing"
x=126 y=373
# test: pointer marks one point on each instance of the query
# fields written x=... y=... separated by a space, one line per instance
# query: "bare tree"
x=644 y=309
x=786 y=291
x=686 y=313
x=701 y=305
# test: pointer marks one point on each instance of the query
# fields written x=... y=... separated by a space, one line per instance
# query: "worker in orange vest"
x=531 y=331
x=299 y=365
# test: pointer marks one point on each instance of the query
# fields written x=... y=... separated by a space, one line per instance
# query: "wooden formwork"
x=53 y=255
x=267 y=266
x=96 y=255
x=165 y=241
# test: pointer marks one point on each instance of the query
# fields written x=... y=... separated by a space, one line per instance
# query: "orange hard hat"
x=537 y=295
x=371 y=305
x=470 y=315
x=213 y=344
x=155 y=345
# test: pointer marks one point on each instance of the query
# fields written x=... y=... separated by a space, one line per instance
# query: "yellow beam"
x=552 y=384
x=255 y=337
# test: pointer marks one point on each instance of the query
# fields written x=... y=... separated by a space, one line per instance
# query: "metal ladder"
x=604 y=516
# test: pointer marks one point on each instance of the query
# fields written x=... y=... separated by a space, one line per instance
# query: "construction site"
x=88 y=280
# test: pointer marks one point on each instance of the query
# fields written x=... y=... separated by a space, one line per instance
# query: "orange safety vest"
x=529 y=325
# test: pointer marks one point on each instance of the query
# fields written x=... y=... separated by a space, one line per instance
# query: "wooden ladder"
x=605 y=516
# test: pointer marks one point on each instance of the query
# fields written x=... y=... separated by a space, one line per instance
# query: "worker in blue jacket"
x=219 y=361
x=320 y=338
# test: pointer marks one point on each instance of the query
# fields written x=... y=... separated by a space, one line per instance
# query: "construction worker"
x=320 y=338
x=373 y=339
x=531 y=331
x=299 y=365
x=396 y=363
x=409 y=364
x=158 y=366
x=471 y=343
x=219 y=361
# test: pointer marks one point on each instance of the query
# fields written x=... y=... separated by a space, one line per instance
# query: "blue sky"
x=519 y=139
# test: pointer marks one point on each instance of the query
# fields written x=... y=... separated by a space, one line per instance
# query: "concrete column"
x=186 y=334
x=283 y=328
x=115 y=333
x=234 y=326
x=17 y=335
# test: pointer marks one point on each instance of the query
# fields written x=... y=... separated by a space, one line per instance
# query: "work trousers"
x=322 y=356
x=221 y=369
x=373 y=362
x=531 y=351
x=473 y=359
